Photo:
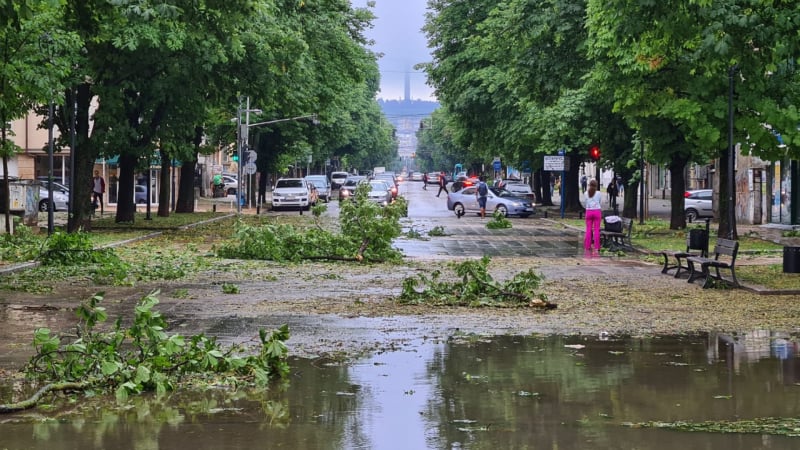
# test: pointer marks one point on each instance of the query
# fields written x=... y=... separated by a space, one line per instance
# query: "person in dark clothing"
x=442 y=184
x=612 y=194
x=425 y=181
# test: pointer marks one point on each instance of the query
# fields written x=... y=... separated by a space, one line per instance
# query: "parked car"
x=500 y=200
x=698 y=203
x=347 y=188
x=520 y=189
x=140 y=194
x=323 y=186
x=338 y=179
x=60 y=198
x=293 y=192
x=416 y=176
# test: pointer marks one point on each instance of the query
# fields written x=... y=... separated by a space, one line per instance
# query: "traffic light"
x=235 y=157
x=594 y=153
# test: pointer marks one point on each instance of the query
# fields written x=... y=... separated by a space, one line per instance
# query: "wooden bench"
x=700 y=267
x=696 y=239
x=618 y=240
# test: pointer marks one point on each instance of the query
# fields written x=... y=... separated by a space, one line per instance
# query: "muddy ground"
x=345 y=309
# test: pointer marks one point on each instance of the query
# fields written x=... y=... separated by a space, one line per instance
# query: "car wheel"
x=458 y=208
x=43 y=205
x=502 y=209
x=691 y=215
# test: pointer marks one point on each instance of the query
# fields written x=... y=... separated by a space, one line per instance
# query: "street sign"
x=249 y=168
x=554 y=163
x=250 y=157
x=496 y=165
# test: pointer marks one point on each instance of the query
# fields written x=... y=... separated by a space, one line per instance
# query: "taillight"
x=687 y=194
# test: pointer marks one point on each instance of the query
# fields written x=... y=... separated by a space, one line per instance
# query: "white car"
x=338 y=179
x=293 y=193
x=520 y=189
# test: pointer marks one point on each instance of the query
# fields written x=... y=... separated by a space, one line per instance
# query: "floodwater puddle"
x=567 y=392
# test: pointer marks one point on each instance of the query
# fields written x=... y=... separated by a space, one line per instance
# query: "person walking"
x=612 y=194
x=593 y=217
x=442 y=184
x=425 y=181
x=98 y=189
x=481 y=194
x=584 y=183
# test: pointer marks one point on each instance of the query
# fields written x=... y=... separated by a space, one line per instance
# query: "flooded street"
x=478 y=393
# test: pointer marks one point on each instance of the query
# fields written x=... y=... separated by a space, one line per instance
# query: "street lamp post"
x=242 y=132
x=46 y=44
x=731 y=158
x=242 y=143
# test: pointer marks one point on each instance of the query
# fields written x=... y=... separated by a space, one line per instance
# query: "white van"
x=337 y=179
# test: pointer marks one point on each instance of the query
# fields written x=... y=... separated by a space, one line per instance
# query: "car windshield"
x=290 y=183
x=378 y=185
x=501 y=192
x=318 y=181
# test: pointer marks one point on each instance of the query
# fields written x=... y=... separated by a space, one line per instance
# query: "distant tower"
x=407 y=88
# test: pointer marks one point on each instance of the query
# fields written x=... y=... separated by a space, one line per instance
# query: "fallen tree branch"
x=34 y=399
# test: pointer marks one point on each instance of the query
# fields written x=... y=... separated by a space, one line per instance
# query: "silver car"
x=323 y=186
x=380 y=192
x=500 y=200
x=698 y=203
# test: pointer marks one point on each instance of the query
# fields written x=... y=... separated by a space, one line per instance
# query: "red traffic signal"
x=594 y=153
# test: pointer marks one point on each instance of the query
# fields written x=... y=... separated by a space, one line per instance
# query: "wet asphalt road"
x=468 y=236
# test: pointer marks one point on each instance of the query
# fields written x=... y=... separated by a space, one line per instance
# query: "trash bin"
x=698 y=240
x=791 y=259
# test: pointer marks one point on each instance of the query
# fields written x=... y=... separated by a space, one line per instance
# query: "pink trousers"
x=593 y=218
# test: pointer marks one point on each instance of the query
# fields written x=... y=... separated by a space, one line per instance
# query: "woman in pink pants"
x=593 y=217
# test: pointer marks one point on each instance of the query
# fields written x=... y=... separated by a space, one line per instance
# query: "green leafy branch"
x=366 y=234
x=475 y=288
x=143 y=357
x=499 y=221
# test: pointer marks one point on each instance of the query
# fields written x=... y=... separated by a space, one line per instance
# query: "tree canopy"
x=160 y=80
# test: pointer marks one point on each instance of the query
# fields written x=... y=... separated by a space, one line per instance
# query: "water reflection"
x=477 y=393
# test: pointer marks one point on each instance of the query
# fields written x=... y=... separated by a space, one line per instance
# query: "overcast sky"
x=398 y=35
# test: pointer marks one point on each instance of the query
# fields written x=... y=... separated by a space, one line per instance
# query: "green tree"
x=667 y=65
x=36 y=64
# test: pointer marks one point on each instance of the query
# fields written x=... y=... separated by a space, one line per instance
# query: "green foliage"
x=498 y=221
x=144 y=357
x=74 y=249
x=230 y=288
x=474 y=287
x=20 y=246
x=412 y=233
x=367 y=231
x=438 y=230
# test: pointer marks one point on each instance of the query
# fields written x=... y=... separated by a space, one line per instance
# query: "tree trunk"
x=677 y=179
x=541 y=186
x=84 y=155
x=165 y=193
x=630 y=194
x=126 y=208
x=185 y=201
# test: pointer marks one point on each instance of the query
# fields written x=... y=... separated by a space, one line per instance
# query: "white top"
x=594 y=201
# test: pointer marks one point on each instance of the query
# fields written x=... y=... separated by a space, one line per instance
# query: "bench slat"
x=724 y=247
